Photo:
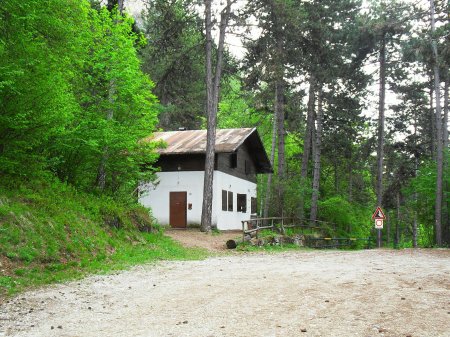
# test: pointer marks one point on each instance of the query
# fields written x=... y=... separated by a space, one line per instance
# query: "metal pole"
x=379 y=238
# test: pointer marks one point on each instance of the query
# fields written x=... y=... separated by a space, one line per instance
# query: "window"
x=230 y=201
x=227 y=201
x=254 y=206
x=242 y=203
x=233 y=160
x=224 y=200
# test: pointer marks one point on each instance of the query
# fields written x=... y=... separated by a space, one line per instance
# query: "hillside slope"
x=51 y=232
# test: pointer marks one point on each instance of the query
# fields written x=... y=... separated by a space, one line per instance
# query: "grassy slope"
x=49 y=232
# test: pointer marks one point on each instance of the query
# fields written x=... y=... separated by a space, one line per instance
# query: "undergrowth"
x=50 y=232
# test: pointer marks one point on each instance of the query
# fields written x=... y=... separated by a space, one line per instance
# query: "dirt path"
x=305 y=293
x=194 y=238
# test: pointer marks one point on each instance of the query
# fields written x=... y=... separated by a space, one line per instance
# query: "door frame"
x=173 y=208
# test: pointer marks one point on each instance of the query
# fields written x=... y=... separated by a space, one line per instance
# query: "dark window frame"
x=233 y=160
x=253 y=205
x=224 y=200
x=241 y=203
x=230 y=201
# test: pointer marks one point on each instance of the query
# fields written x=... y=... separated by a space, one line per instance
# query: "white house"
x=175 y=198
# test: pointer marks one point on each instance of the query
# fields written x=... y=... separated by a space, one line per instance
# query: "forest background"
x=81 y=83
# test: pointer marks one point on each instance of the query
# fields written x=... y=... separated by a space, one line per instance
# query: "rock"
x=59 y=326
x=303 y=330
x=231 y=244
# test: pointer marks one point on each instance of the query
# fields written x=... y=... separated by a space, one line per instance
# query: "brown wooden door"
x=178 y=205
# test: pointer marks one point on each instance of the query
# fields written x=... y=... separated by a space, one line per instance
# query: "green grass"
x=50 y=232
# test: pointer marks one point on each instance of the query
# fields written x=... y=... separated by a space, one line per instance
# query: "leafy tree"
x=213 y=79
x=58 y=60
x=174 y=59
x=39 y=59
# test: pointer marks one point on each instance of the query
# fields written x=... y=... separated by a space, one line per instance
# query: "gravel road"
x=304 y=293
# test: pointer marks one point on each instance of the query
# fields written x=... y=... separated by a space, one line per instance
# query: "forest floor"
x=296 y=293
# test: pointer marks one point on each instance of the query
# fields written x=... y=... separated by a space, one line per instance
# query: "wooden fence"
x=252 y=227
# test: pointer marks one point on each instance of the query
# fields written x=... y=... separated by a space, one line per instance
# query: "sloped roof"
x=227 y=141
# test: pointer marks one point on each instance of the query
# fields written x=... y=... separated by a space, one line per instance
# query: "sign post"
x=378 y=216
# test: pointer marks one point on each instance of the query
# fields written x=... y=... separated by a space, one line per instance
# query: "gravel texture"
x=304 y=293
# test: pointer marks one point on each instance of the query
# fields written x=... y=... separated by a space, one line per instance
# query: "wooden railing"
x=280 y=224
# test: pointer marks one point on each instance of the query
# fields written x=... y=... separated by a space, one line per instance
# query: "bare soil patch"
x=301 y=293
x=213 y=242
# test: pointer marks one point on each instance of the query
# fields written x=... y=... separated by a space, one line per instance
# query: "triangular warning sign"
x=378 y=214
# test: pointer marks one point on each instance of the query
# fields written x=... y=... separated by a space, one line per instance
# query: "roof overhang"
x=227 y=141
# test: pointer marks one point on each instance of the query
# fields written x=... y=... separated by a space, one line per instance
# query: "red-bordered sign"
x=378 y=214
x=378 y=223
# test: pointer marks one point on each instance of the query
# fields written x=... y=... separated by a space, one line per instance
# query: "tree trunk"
x=432 y=122
x=445 y=122
x=307 y=140
x=446 y=208
x=317 y=151
x=380 y=149
x=101 y=171
x=439 y=143
x=272 y=160
x=350 y=178
x=212 y=97
x=397 y=223
x=278 y=16
x=280 y=141
x=388 y=233
x=415 y=208
x=416 y=167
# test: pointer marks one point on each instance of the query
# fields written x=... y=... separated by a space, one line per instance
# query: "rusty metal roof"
x=194 y=141
x=227 y=140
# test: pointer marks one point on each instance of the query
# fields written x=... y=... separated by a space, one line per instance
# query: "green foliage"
x=347 y=220
x=50 y=231
x=73 y=96
x=235 y=107
x=38 y=61
x=174 y=60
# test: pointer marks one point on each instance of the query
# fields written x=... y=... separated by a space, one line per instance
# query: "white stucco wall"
x=225 y=219
x=156 y=197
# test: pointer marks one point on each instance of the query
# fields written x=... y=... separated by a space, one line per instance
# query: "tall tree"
x=439 y=134
x=317 y=150
x=212 y=98
x=380 y=133
x=174 y=59
x=386 y=23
